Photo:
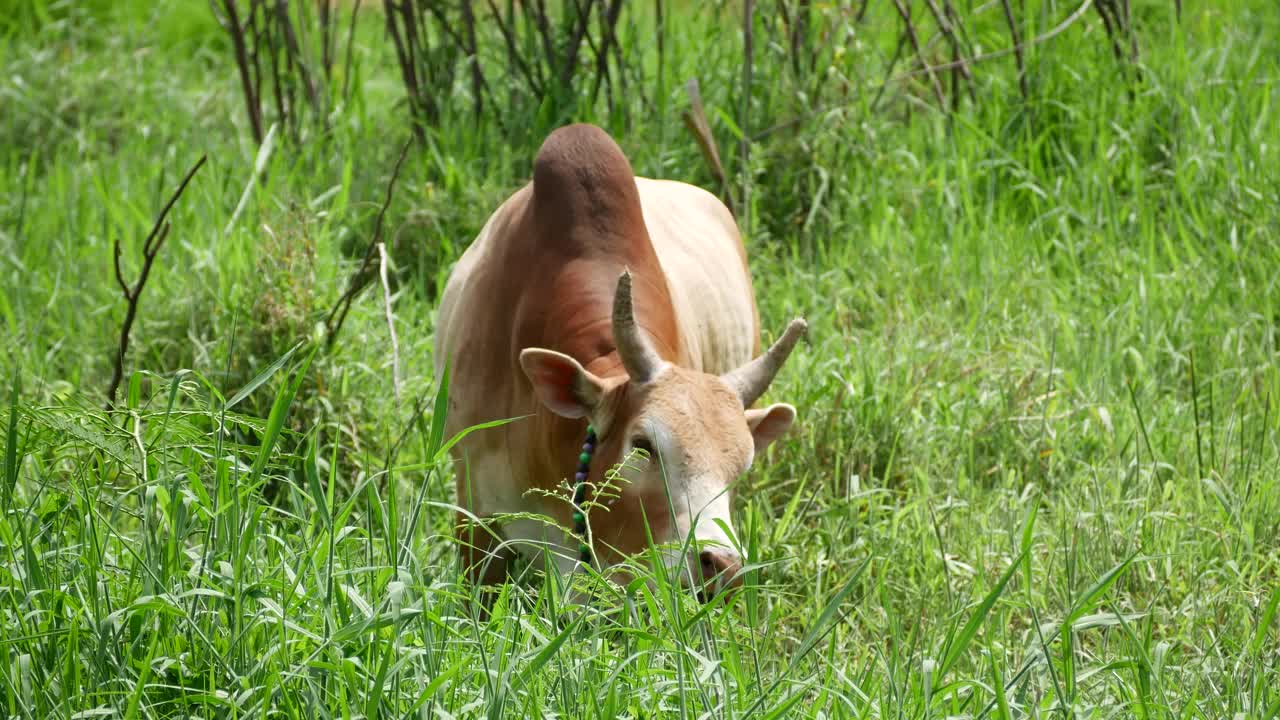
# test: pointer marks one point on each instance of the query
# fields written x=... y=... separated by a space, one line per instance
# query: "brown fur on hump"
x=582 y=225
x=587 y=225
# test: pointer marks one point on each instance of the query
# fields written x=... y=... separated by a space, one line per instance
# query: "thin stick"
x=695 y=118
x=351 y=38
x=391 y=323
x=943 y=18
x=150 y=248
x=915 y=43
x=1047 y=36
x=233 y=26
x=360 y=278
x=478 y=84
x=513 y=53
x=608 y=32
x=1017 y=50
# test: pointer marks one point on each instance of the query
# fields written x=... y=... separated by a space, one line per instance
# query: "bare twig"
x=237 y=31
x=539 y=10
x=351 y=44
x=297 y=48
x=513 y=50
x=478 y=84
x=888 y=74
x=1048 y=35
x=924 y=61
x=150 y=248
x=944 y=19
x=391 y=323
x=408 y=66
x=963 y=44
x=1117 y=20
x=360 y=278
x=695 y=118
x=1017 y=50
x=608 y=31
x=581 y=21
x=862 y=12
x=294 y=52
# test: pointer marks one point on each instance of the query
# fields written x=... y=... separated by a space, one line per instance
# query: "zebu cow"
x=592 y=295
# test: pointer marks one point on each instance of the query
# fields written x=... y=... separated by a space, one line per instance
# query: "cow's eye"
x=640 y=442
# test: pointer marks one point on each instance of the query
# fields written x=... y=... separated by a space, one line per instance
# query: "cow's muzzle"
x=721 y=572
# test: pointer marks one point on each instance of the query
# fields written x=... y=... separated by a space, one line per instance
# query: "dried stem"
x=513 y=50
x=1044 y=37
x=608 y=32
x=391 y=323
x=915 y=43
x=478 y=85
x=360 y=278
x=695 y=118
x=944 y=19
x=1017 y=50
x=150 y=249
x=351 y=44
x=233 y=26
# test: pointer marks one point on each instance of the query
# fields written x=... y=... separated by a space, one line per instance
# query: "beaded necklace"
x=580 y=494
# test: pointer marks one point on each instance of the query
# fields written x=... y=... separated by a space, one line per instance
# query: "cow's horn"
x=751 y=380
x=638 y=356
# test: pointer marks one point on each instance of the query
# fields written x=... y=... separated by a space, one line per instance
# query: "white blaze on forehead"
x=699 y=494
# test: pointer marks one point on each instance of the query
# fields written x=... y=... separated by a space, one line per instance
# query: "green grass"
x=1036 y=469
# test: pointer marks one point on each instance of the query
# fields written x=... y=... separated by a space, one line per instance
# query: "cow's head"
x=698 y=430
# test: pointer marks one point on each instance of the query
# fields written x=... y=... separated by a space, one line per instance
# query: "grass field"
x=1035 y=472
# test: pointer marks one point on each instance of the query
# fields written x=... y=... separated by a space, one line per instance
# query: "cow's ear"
x=769 y=424
x=561 y=383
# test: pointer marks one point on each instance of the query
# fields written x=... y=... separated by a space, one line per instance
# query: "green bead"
x=578 y=518
x=584 y=458
x=584 y=550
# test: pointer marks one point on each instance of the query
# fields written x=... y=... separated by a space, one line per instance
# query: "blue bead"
x=580 y=477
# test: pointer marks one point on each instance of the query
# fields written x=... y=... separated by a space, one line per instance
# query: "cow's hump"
x=583 y=181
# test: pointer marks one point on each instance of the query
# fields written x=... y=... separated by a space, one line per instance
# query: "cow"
x=595 y=298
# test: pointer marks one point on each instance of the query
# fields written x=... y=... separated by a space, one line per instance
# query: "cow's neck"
x=579 y=322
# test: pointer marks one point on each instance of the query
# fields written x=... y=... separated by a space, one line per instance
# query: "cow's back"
x=541 y=273
x=705 y=263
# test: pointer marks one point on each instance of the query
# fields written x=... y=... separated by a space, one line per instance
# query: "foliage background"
x=1036 y=469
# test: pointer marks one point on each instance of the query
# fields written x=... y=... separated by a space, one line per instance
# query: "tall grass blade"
x=958 y=644
x=262 y=377
x=279 y=412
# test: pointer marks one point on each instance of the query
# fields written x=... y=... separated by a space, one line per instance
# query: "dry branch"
x=150 y=249
x=1017 y=50
x=231 y=23
x=391 y=322
x=924 y=61
x=695 y=118
x=290 y=41
x=351 y=44
x=361 y=277
x=1044 y=37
